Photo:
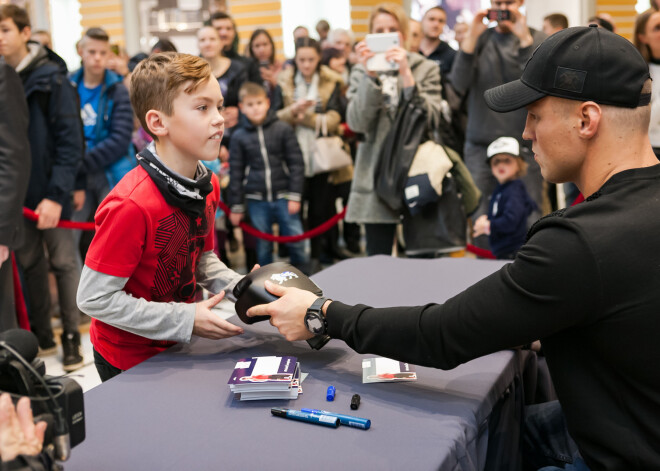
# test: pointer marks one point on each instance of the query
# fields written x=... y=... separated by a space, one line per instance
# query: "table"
x=175 y=411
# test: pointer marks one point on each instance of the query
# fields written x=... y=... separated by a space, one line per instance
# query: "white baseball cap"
x=503 y=145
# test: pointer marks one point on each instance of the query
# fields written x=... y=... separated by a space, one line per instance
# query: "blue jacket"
x=509 y=208
x=113 y=132
x=55 y=130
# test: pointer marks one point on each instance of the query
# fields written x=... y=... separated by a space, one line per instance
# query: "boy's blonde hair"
x=397 y=12
x=157 y=80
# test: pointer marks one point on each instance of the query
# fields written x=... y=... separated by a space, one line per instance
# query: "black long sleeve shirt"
x=586 y=284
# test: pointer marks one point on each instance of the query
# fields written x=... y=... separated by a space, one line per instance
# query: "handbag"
x=329 y=153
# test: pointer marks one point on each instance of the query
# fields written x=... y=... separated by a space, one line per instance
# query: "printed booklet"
x=385 y=370
x=266 y=378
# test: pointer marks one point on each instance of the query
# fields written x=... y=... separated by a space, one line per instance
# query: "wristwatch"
x=314 y=318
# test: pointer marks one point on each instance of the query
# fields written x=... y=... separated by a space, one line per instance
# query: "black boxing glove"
x=251 y=291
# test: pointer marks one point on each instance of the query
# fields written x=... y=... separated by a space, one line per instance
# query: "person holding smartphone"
x=261 y=48
x=373 y=99
x=489 y=57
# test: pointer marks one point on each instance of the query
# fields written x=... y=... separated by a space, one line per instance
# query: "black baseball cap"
x=584 y=63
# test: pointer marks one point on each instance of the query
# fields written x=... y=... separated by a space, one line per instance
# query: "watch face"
x=314 y=323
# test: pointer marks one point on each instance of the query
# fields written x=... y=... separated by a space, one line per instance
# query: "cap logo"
x=570 y=80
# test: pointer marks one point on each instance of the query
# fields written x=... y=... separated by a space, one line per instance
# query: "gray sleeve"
x=462 y=72
x=214 y=276
x=102 y=297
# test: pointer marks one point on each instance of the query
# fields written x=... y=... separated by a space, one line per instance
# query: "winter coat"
x=14 y=156
x=265 y=163
x=55 y=130
x=367 y=115
x=112 y=134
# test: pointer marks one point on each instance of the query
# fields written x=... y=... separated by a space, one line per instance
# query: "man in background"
x=554 y=23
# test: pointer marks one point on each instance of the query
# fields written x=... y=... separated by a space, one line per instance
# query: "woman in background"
x=261 y=48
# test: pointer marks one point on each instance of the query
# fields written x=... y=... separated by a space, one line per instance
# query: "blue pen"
x=349 y=420
x=318 y=419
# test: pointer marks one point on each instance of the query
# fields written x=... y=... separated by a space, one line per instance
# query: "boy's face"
x=196 y=126
x=12 y=40
x=95 y=55
x=504 y=167
x=255 y=108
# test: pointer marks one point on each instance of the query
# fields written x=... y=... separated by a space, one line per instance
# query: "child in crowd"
x=510 y=204
x=154 y=231
x=272 y=187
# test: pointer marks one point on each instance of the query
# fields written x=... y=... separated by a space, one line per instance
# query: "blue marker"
x=330 y=394
x=318 y=419
x=348 y=420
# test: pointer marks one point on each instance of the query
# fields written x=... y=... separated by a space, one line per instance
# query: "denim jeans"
x=547 y=444
x=263 y=215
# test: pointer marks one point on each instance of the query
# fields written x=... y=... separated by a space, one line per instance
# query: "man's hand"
x=211 y=326
x=78 y=200
x=49 y=214
x=477 y=27
x=518 y=26
x=288 y=312
x=236 y=219
x=224 y=154
x=4 y=254
x=18 y=433
x=293 y=207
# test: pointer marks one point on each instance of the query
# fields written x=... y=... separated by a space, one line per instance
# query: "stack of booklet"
x=266 y=378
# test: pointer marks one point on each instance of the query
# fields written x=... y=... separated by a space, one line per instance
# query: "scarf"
x=178 y=191
x=306 y=136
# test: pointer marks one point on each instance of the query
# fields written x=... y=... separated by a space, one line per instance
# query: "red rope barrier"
x=286 y=239
x=479 y=252
x=89 y=226
x=85 y=226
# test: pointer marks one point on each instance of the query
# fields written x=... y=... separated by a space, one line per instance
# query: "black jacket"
x=55 y=131
x=269 y=172
x=586 y=284
x=14 y=156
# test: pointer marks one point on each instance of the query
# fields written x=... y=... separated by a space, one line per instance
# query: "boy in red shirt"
x=154 y=239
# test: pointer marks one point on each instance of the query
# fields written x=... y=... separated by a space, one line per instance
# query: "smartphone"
x=499 y=15
x=265 y=64
x=379 y=44
x=115 y=49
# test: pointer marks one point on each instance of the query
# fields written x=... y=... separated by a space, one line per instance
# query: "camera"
x=56 y=400
x=499 y=15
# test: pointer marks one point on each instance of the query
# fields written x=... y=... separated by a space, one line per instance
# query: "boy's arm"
x=102 y=296
x=115 y=146
x=215 y=276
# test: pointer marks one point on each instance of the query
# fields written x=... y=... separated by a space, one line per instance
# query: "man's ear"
x=26 y=33
x=589 y=114
x=157 y=123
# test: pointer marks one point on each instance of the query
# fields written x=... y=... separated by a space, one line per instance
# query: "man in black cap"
x=585 y=283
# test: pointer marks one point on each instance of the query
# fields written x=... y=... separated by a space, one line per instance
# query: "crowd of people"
x=147 y=147
x=274 y=114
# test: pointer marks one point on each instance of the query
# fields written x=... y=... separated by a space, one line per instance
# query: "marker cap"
x=330 y=394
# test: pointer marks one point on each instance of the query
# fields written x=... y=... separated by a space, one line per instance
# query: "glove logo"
x=282 y=277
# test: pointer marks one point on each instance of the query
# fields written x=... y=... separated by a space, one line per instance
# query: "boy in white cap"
x=510 y=205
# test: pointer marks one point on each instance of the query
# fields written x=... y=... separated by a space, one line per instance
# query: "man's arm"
x=14 y=157
x=553 y=284
x=64 y=120
x=115 y=146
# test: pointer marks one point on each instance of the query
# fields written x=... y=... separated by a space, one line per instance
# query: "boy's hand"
x=236 y=218
x=481 y=226
x=78 y=200
x=211 y=326
x=294 y=207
